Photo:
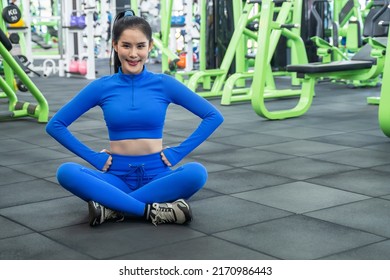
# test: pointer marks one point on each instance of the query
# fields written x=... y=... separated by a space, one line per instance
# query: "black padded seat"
x=319 y=67
x=361 y=60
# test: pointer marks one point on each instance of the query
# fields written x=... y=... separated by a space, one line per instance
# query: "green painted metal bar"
x=258 y=87
x=347 y=28
x=134 y=6
x=296 y=20
x=8 y=73
x=42 y=110
x=165 y=51
x=327 y=51
x=166 y=15
x=219 y=75
x=9 y=93
x=370 y=74
x=384 y=102
x=231 y=95
x=210 y=75
x=241 y=48
x=22 y=75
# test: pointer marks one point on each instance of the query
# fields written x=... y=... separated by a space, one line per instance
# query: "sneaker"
x=98 y=214
x=177 y=212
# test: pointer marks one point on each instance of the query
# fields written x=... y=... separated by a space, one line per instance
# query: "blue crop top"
x=134 y=107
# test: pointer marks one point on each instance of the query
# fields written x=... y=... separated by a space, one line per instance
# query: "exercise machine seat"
x=361 y=60
x=318 y=67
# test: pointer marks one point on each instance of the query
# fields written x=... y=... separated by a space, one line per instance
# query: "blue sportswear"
x=134 y=107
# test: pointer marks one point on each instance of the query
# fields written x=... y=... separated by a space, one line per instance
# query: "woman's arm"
x=58 y=125
x=211 y=118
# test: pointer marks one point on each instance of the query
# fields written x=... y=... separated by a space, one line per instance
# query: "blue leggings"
x=132 y=182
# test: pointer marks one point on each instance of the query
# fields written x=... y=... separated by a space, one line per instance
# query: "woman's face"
x=133 y=49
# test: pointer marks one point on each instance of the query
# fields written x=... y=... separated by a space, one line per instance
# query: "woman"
x=134 y=177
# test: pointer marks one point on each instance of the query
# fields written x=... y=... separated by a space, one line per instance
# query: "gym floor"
x=313 y=187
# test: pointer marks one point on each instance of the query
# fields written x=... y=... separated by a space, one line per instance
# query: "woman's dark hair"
x=127 y=20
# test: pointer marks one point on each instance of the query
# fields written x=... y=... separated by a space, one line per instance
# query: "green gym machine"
x=384 y=101
x=214 y=79
x=161 y=40
x=12 y=66
x=348 y=30
x=348 y=24
x=372 y=54
x=326 y=39
x=367 y=64
x=287 y=24
x=343 y=36
x=268 y=29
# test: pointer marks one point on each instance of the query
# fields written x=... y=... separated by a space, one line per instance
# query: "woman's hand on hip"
x=109 y=160
x=164 y=159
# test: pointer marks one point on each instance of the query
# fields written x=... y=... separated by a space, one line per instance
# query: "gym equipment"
x=82 y=67
x=268 y=28
x=14 y=14
x=375 y=13
x=14 y=38
x=39 y=40
x=215 y=24
x=11 y=14
x=213 y=79
x=317 y=23
x=19 y=28
x=348 y=25
x=165 y=19
x=178 y=21
x=77 y=22
x=221 y=26
x=366 y=64
x=74 y=65
x=16 y=108
x=79 y=38
x=49 y=67
x=187 y=34
x=384 y=101
x=73 y=21
x=81 y=21
x=268 y=31
x=37 y=35
x=161 y=39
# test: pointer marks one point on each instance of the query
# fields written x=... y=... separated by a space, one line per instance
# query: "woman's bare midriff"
x=136 y=146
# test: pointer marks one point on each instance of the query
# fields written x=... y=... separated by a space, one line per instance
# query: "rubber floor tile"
x=202 y=248
x=300 y=197
x=370 y=215
x=36 y=247
x=298 y=238
x=112 y=240
x=225 y=212
x=301 y=168
x=376 y=251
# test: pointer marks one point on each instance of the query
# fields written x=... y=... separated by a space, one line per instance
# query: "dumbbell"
x=74 y=65
x=83 y=66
